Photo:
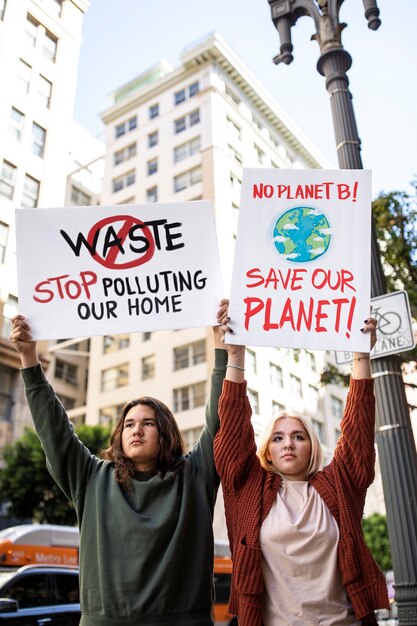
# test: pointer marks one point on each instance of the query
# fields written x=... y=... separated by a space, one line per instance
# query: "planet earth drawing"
x=302 y=234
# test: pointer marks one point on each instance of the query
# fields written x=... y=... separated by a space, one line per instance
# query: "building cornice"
x=213 y=50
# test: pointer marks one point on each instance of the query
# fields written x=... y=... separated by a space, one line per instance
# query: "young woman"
x=299 y=555
x=145 y=511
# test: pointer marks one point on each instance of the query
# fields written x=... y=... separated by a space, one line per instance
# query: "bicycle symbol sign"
x=394 y=332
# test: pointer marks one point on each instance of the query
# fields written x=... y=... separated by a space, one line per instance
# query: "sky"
x=123 y=38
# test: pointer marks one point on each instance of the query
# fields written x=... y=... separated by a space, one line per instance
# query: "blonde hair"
x=316 y=456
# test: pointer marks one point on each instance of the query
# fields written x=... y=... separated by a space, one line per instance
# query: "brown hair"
x=170 y=448
x=316 y=456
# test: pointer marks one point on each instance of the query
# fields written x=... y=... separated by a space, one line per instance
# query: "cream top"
x=299 y=540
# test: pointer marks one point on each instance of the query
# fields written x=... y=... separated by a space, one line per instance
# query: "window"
x=153 y=139
x=188 y=92
x=2 y=8
x=295 y=386
x=194 y=117
x=189 y=397
x=115 y=377
x=126 y=153
x=126 y=126
x=193 y=89
x=186 y=121
x=30 y=195
x=38 y=140
x=153 y=111
x=319 y=430
x=186 y=149
x=7 y=179
x=235 y=154
x=57 y=6
x=254 y=400
x=24 y=74
x=109 y=415
x=275 y=372
x=187 y=179
x=250 y=358
x=28 y=587
x=44 y=91
x=336 y=407
x=124 y=181
x=235 y=182
x=113 y=343
x=79 y=197
x=10 y=309
x=313 y=398
x=311 y=361
x=179 y=96
x=260 y=155
x=66 y=372
x=152 y=194
x=190 y=438
x=148 y=366
x=152 y=166
x=190 y=354
x=277 y=408
x=232 y=96
x=31 y=30
x=233 y=129
x=50 y=45
x=68 y=403
x=16 y=123
x=4 y=234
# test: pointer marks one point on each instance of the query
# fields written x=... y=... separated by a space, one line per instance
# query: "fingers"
x=20 y=329
x=370 y=326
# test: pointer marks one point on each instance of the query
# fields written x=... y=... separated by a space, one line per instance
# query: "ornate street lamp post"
x=397 y=452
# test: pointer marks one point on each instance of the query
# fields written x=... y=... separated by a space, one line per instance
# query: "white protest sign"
x=85 y=271
x=301 y=276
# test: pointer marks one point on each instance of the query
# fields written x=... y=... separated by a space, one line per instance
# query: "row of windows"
x=4 y=236
x=184 y=356
x=38 y=133
x=153 y=110
x=309 y=360
x=31 y=186
x=180 y=153
x=235 y=132
x=181 y=181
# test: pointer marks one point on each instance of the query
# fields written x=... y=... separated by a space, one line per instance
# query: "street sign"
x=394 y=332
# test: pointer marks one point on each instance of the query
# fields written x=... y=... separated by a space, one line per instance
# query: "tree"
x=395 y=219
x=376 y=536
x=26 y=485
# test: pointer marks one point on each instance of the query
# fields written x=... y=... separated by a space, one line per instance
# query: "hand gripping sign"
x=85 y=271
x=301 y=275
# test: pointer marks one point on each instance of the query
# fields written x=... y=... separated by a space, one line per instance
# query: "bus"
x=59 y=545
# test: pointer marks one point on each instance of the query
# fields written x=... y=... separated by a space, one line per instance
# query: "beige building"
x=39 y=48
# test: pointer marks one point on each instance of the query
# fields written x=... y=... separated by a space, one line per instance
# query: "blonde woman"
x=299 y=555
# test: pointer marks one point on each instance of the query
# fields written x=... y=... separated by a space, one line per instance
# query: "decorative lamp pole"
x=397 y=451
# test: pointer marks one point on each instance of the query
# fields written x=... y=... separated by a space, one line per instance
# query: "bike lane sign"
x=395 y=330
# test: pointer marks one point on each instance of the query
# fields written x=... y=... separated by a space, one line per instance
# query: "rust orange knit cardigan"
x=249 y=492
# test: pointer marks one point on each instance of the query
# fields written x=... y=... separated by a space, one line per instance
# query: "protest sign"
x=301 y=275
x=85 y=271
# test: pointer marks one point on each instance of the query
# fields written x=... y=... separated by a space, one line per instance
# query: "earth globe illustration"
x=302 y=234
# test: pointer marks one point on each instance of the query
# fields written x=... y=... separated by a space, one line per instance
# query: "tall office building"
x=185 y=134
x=39 y=49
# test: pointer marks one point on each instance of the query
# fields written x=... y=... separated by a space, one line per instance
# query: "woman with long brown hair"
x=145 y=509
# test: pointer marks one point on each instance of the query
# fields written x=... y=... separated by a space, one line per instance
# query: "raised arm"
x=355 y=448
x=234 y=446
x=69 y=461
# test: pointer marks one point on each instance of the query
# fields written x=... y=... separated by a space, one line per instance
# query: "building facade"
x=39 y=49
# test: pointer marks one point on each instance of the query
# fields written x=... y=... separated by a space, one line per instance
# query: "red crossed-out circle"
x=128 y=222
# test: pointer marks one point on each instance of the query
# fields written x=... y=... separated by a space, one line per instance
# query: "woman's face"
x=289 y=448
x=140 y=437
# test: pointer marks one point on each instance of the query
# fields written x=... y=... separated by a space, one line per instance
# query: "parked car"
x=40 y=594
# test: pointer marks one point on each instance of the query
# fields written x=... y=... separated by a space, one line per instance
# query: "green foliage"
x=376 y=536
x=333 y=376
x=28 y=488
